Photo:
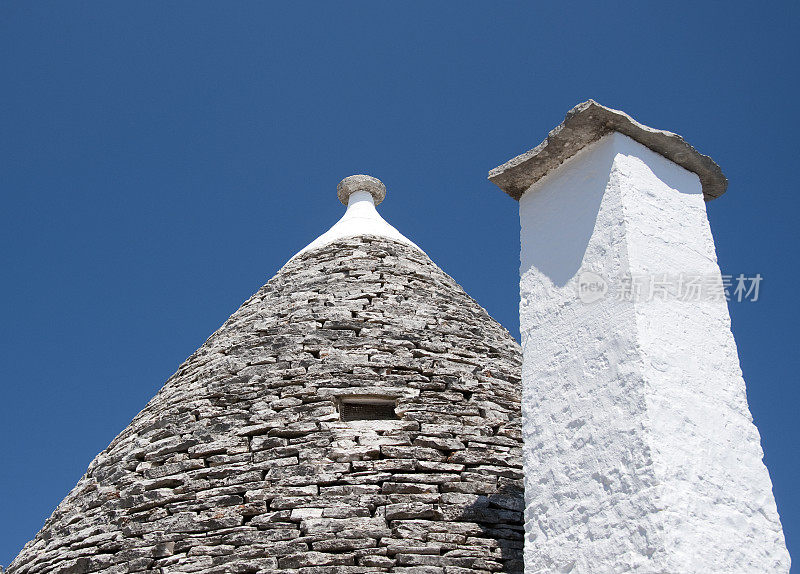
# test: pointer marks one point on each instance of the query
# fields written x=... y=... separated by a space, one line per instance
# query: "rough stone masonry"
x=241 y=463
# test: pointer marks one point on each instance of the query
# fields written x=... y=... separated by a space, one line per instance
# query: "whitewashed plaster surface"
x=640 y=452
x=361 y=218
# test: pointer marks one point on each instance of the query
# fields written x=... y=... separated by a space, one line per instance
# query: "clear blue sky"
x=160 y=161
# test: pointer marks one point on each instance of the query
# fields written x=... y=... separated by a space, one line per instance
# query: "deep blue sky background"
x=160 y=161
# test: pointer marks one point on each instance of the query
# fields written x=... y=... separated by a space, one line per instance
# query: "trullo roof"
x=242 y=462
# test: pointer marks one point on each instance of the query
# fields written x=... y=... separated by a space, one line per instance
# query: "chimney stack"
x=640 y=451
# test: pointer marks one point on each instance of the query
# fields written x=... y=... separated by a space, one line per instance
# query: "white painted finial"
x=354 y=183
x=360 y=193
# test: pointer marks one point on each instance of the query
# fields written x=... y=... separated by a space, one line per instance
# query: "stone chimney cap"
x=588 y=122
x=354 y=183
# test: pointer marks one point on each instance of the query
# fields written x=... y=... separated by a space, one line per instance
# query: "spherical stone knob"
x=354 y=183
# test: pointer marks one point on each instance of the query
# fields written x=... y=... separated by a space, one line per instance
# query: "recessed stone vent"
x=361 y=408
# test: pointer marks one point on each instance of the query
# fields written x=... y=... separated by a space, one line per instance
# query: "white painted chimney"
x=640 y=451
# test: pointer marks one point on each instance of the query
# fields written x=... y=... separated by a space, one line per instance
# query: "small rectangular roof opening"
x=366 y=408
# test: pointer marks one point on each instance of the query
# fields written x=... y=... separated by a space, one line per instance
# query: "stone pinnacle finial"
x=360 y=193
x=354 y=183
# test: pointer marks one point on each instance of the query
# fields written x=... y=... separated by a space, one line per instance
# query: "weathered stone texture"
x=588 y=122
x=241 y=464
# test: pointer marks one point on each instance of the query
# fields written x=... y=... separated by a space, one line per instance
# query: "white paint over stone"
x=361 y=218
x=640 y=451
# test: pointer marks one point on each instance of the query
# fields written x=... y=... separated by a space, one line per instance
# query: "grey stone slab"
x=588 y=122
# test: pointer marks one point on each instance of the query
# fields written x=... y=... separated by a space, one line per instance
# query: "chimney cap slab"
x=588 y=122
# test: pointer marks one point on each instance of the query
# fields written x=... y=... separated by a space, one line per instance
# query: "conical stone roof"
x=241 y=462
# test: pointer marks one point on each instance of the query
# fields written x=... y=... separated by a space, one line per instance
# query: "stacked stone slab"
x=240 y=463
